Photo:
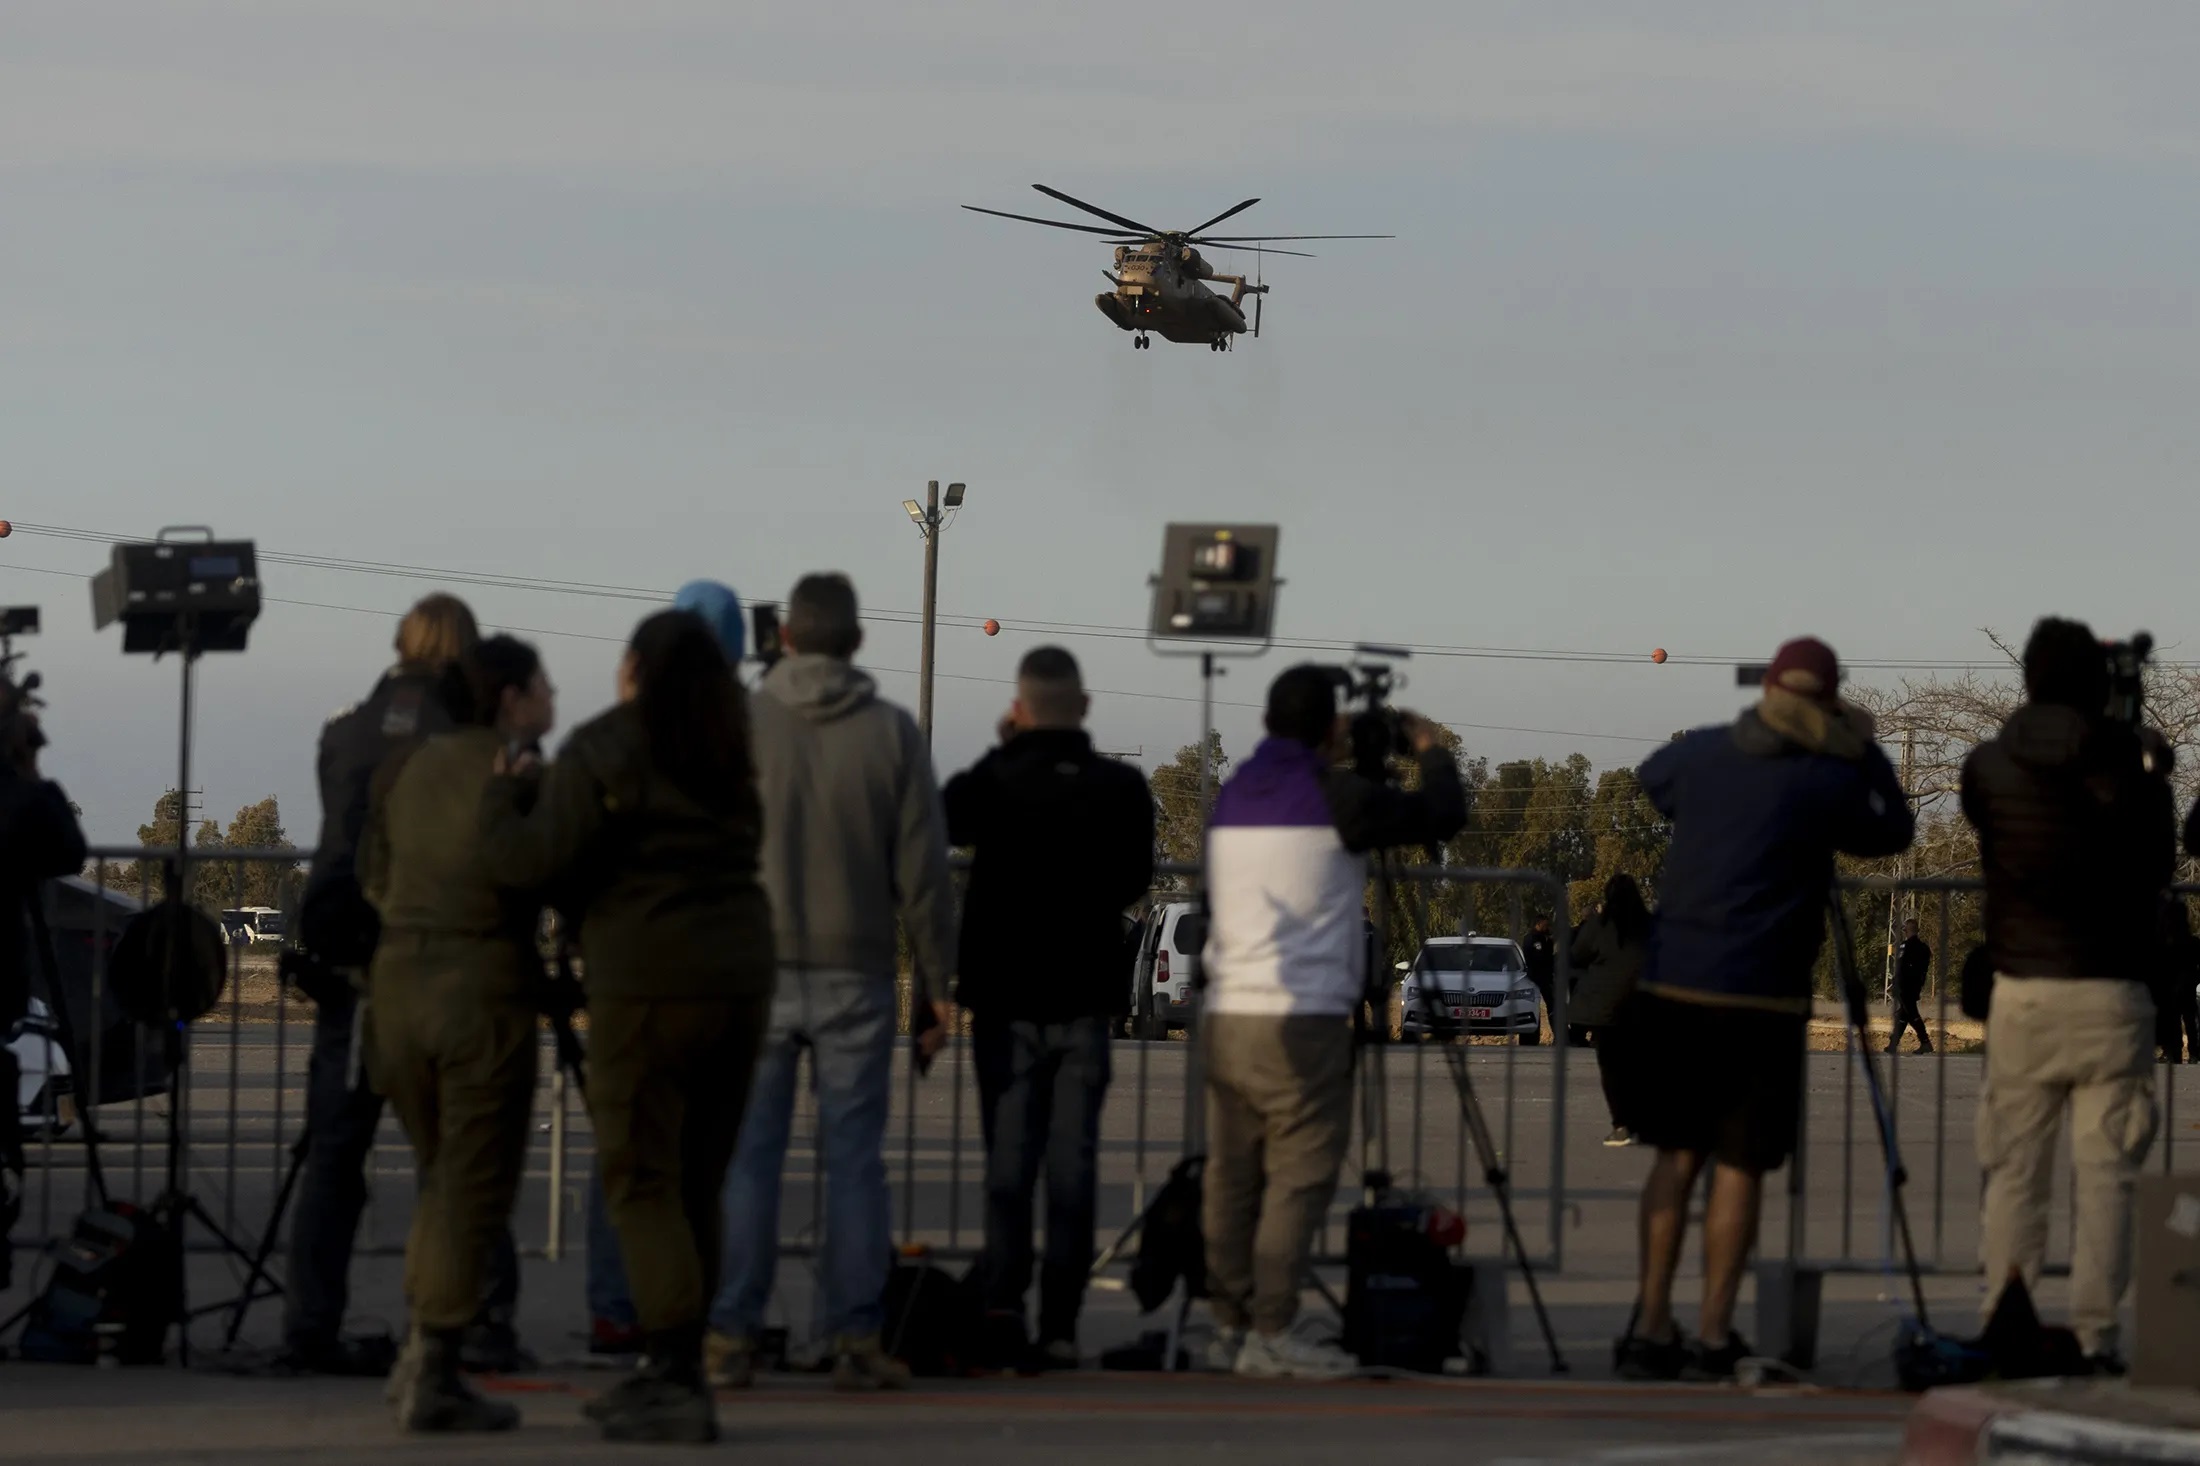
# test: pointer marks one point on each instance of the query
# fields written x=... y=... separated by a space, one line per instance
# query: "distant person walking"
x=1912 y=964
x=1608 y=954
x=1541 y=952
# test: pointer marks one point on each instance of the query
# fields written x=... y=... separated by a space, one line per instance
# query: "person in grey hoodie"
x=854 y=837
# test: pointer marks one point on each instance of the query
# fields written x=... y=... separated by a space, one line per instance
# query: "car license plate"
x=1455 y=1012
x=1473 y=1013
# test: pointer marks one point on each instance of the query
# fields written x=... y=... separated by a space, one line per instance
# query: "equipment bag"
x=932 y=1317
x=1405 y=1299
x=116 y=1285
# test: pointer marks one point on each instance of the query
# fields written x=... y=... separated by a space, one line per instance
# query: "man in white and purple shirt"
x=1286 y=965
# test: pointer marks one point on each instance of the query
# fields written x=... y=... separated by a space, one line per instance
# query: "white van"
x=1168 y=961
x=244 y=925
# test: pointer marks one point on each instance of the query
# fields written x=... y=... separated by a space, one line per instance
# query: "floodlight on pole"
x=930 y=522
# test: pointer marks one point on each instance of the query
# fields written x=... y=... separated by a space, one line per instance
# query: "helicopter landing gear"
x=1220 y=343
x=1140 y=343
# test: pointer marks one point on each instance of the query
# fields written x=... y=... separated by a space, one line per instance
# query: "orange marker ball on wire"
x=1658 y=656
x=6 y=529
x=992 y=628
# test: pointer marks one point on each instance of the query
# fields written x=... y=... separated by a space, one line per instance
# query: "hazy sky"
x=1705 y=324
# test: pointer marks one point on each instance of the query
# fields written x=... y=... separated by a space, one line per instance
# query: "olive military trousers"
x=453 y=1046
x=668 y=1079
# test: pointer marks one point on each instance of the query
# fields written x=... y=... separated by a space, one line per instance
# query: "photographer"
x=1286 y=963
x=1715 y=1030
x=452 y=1021
x=2077 y=838
x=39 y=840
x=649 y=826
x=1062 y=842
x=337 y=930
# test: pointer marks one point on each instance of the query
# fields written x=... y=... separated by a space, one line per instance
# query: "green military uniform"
x=451 y=1024
x=675 y=935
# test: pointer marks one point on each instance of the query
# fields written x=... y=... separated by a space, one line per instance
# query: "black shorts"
x=1713 y=1080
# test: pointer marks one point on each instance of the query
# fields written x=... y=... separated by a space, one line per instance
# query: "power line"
x=1089 y=630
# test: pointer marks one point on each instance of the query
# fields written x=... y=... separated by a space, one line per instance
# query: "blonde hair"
x=436 y=632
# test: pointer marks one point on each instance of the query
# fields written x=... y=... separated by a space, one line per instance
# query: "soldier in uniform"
x=452 y=1031
x=338 y=928
x=649 y=825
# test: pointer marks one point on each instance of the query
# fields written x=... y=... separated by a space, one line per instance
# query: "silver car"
x=1469 y=984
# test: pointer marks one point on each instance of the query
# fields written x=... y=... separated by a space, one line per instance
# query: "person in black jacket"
x=1912 y=964
x=410 y=703
x=39 y=840
x=2077 y=837
x=1062 y=841
x=1540 y=951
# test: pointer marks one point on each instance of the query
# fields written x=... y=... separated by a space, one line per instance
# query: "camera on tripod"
x=2127 y=665
x=1378 y=730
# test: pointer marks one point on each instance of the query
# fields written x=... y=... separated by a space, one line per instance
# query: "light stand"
x=188 y=597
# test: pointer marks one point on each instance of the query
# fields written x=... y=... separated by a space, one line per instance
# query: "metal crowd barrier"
x=1836 y=1201
x=245 y=1065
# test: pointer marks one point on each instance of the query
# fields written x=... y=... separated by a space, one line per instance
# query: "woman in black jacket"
x=647 y=830
x=1608 y=952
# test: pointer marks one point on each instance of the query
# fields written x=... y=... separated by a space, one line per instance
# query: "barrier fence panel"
x=1836 y=1208
x=237 y=1092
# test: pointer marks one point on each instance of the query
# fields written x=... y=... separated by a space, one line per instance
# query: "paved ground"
x=172 y=1417
x=97 y=1416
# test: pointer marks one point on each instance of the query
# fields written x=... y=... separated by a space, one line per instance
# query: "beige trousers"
x=2088 y=1044
x=1279 y=1118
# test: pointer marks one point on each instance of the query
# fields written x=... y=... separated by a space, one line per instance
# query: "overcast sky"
x=1705 y=324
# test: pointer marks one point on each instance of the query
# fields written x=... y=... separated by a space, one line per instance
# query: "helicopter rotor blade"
x=1050 y=223
x=1260 y=238
x=1255 y=249
x=1226 y=213
x=1099 y=213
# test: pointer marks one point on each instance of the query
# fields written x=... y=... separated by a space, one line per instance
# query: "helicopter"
x=1158 y=272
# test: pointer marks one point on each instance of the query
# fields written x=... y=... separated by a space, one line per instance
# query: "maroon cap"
x=1807 y=667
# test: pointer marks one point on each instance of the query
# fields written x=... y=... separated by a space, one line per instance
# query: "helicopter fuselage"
x=1158 y=288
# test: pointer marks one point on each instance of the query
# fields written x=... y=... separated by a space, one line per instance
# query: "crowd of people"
x=728 y=874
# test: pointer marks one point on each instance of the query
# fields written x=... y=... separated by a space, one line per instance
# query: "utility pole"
x=929 y=524
x=1909 y=767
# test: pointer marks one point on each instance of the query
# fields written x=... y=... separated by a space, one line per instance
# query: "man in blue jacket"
x=1760 y=808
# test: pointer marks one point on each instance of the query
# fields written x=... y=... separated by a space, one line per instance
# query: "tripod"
x=1898 y=1174
x=1494 y=1172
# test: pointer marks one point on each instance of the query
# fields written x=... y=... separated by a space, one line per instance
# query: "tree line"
x=216 y=884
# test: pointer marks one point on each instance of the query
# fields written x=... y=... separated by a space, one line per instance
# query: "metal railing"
x=244 y=1066
x=1849 y=1221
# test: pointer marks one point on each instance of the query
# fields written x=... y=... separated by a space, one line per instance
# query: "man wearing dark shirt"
x=1062 y=842
x=1912 y=963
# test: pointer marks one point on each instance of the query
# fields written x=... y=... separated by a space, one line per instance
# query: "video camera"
x=2127 y=664
x=1378 y=731
x=20 y=735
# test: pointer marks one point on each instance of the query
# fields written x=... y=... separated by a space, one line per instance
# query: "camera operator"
x=39 y=840
x=452 y=1018
x=2077 y=837
x=1716 y=1027
x=337 y=930
x=1286 y=965
x=1062 y=842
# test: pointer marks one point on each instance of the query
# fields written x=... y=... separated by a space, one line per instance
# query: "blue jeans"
x=846 y=1021
x=608 y=1296
x=1040 y=1089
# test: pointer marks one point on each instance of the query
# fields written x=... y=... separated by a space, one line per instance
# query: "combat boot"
x=666 y=1399
x=863 y=1364
x=435 y=1398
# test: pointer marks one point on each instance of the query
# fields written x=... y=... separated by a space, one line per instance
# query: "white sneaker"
x=1293 y=1356
x=1224 y=1347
